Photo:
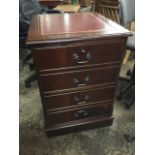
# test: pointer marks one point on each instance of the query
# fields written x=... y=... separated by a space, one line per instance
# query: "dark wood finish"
x=65 y=80
x=75 y=126
x=78 y=98
x=86 y=55
x=85 y=112
x=77 y=69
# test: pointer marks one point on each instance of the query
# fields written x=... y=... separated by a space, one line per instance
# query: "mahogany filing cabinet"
x=77 y=58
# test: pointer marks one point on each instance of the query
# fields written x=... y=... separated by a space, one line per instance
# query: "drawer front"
x=79 y=98
x=78 y=56
x=57 y=81
x=61 y=117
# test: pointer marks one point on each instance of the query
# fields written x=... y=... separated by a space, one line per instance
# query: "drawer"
x=78 y=98
x=65 y=80
x=71 y=115
x=57 y=58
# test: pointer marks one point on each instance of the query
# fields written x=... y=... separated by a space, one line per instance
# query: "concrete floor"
x=102 y=141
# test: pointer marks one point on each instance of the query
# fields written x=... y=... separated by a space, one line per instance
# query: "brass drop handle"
x=80 y=83
x=77 y=99
x=86 y=97
x=81 y=113
x=82 y=62
x=76 y=57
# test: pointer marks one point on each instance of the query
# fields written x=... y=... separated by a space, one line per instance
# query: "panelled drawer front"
x=51 y=82
x=78 y=98
x=61 y=117
x=77 y=56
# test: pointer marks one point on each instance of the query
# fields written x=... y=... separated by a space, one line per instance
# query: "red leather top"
x=75 y=23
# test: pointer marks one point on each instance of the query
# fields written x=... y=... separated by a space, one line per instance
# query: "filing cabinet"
x=77 y=68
